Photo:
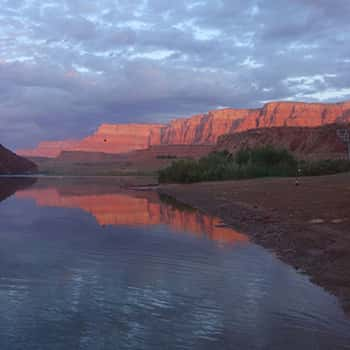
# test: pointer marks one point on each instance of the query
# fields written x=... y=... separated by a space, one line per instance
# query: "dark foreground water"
x=87 y=266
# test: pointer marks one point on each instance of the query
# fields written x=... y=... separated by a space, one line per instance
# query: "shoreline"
x=306 y=226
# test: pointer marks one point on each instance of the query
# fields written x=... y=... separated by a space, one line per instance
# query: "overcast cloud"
x=67 y=66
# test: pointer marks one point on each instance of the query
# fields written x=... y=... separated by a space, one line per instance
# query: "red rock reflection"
x=134 y=210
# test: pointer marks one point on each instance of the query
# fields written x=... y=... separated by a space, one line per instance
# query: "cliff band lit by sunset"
x=201 y=129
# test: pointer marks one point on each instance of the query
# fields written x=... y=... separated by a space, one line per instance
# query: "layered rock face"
x=204 y=128
x=296 y=114
x=116 y=138
x=49 y=149
x=109 y=138
x=304 y=142
x=10 y=163
x=200 y=129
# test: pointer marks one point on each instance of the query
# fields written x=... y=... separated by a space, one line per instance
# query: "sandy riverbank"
x=307 y=226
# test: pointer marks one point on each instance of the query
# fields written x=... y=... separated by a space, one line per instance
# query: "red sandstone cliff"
x=109 y=138
x=122 y=138
x=296 y=114
x=199 y=129
x=204 y=128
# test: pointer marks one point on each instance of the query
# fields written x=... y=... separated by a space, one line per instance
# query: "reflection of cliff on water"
x=133 y=209
x=9 y=185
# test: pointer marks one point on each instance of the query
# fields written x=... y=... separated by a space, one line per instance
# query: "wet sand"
x=307 y=226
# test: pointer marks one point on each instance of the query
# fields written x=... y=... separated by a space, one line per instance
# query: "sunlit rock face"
x=109 y=138
x=199 y=129
x=296 y=114
x=50 y=149
x=127 y=209
x=116 y=138
x=11 y=163
x=204 y=128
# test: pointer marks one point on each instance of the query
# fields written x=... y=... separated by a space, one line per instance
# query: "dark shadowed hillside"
x=11 y=163
x=304 y=142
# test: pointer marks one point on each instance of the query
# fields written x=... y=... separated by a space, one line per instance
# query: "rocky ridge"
x=309 y=143
x=199 y=129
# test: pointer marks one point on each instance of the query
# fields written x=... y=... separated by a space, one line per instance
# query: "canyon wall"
x=204 y=128
x=199 y=129
x=109 y=138
x=296 y=114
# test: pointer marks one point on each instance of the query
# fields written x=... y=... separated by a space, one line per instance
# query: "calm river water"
x=86 y=265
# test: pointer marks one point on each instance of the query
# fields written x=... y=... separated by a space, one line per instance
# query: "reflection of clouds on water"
x=150 y=299
x=161 y=308
x=75 y=290
x=207 y=320
x=139 y=311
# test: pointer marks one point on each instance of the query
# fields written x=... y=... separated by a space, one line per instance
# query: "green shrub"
x=184 y=171
x=166 y=157
x=243 y=156
x=324 y=167
x=270 y=156
x=247 y=163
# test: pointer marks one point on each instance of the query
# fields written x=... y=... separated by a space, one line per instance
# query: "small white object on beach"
x=316 y=221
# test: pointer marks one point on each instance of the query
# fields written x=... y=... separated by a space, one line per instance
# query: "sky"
x=67 y=66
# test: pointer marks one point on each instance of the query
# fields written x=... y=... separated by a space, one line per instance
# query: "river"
x=89 y=265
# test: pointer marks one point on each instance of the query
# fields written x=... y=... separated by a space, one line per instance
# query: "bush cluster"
x=166 y=157
x=247 y=163
x=324 y=167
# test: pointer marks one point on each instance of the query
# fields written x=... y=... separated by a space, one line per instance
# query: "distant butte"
x=202 y=129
